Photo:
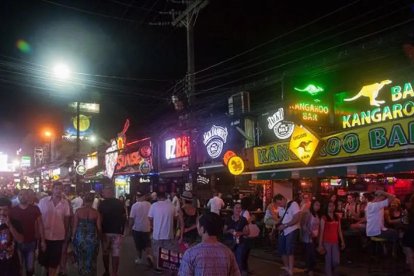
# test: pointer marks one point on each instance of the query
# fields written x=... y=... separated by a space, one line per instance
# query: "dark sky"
x=129 y=66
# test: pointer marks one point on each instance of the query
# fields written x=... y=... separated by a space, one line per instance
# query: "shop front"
x=371 y=148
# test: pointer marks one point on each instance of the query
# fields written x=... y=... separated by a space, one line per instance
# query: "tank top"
x=330 y=233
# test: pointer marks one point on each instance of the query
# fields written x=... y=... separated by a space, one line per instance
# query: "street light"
x=49 y=134
x=62 y=72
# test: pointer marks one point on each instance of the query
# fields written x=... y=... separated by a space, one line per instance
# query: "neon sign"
x=214 y=140
x=311 y=89
x=370 y=91
x=128 y=160
x=384 y=113
x=310 y=112
x=177 y=147
x=282 y=129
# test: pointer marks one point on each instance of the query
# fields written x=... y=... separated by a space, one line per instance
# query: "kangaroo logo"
x=304 y=145
x=371 y=91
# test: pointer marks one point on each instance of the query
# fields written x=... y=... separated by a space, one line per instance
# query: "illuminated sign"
x=370 y=91
x=80 y=169
x=386 y=138
x=145 y=167
x=25 y=161
x=3 y=162
x=303 y=144
x=229 y=154
x=214 y=140
x=128 y=160
x=236 y=165
x=282 y=129
x=310 y=111
x=91 y=161
x=177 y=147
x=144 y=180
x=311 y=89
x=381 y=113
x=111 y=158
x=85 y=107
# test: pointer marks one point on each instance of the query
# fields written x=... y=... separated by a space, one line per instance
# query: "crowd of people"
x=52 y=228
x=321 y=225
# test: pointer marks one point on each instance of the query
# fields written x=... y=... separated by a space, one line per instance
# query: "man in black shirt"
x=113 y=216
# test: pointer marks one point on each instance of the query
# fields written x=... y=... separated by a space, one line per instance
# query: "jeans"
x=310 y=256
x=331 y=257
x=240 y=252
x=27 y=255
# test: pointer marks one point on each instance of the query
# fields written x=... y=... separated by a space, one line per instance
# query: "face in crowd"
x=237 y=209
x=350 y=199
x=316 y=206
x=331 y=207
x=57 y=190
x=24 y=196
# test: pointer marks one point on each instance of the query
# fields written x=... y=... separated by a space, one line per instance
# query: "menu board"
x=169 y=259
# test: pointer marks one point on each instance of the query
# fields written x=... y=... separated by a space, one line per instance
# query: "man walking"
x=55 y=212
x=30 y=218
x=216 y=203
x=113 y=216
x=289 y=225
x=140 y=227
x=210 y=257
x=161 y=215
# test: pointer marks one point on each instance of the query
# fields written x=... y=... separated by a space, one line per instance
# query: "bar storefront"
x=371 y=146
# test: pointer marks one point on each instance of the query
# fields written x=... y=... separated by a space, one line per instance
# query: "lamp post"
x=48 y=134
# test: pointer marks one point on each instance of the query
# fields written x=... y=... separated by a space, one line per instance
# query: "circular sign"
x=56 y=177
x=236 y=165
x=145 y=151
x=80 y=169
x=284 y=129
x=145 y=167
x=229 y=154
x=214 y=148
x=84 y=122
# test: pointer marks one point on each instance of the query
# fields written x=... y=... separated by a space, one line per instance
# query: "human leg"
x=53 y=256
x=290 y=249
x=328 y=258
x=335 y=257
x=29 y=257
x=106 y=249
x=282 y=250
x=115 y=252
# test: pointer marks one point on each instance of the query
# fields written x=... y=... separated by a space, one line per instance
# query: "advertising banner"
x=391 y=136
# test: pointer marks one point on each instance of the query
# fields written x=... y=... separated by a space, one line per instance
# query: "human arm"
x=99 y=224
x=67 y=220
x=16 y=233
x=181 y=224
x=131 y=218
x=41 y=230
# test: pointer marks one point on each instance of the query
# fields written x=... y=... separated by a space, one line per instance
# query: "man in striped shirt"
x=210 y=257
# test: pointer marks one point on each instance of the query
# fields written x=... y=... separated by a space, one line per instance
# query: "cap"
x=187 y=195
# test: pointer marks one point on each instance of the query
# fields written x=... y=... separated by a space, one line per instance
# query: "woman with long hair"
x=87 y=229
x=309 y=232
x=329 y=237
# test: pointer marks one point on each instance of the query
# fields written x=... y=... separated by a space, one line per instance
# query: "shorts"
x=51 y=257
x=286 y=244
x=111 y=244
x=142 y=239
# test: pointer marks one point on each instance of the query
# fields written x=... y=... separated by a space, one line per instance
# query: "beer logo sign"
x=214 y=140
x=282 y=129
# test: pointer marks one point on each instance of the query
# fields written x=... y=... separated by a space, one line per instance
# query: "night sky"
x=129 y=66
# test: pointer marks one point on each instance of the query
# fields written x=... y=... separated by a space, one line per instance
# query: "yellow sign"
x=303 y=144
x=235 y=165
x=388 y=137
x=371 y=91
x=84 y=123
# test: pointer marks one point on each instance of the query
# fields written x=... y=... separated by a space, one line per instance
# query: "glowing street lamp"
x=48 y=133
x=62 y=72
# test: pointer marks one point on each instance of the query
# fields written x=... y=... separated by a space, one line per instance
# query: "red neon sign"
x=177 y=147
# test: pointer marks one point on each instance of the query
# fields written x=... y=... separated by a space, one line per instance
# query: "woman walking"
x=87 y=229
x=310 y=232
x=330 y=234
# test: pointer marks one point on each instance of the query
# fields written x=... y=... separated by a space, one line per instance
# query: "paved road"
x=129 y=268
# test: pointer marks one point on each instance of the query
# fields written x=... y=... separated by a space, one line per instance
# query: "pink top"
x=53 y=218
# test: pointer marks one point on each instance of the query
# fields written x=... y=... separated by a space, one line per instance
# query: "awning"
x=379 y=166
x=174 y=173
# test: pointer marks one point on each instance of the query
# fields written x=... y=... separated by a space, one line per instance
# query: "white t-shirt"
x=162 y=212
x=291 y=212
x=139 y=212
x=76 y=203
x=54 y=218
x=375 y=217
x=215 y=204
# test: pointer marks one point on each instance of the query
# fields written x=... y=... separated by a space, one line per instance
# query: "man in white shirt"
x=375 y=217
x=175 y=201
x=288 y=226
x=161 y=215
x=215 y=203
x=77 y=202
x=140 y=227
x=56 y=215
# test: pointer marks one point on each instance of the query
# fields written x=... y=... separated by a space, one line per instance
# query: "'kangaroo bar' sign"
x=388 y=137
x=399 y=105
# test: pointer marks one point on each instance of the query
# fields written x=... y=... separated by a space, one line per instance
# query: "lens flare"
x=23 y=46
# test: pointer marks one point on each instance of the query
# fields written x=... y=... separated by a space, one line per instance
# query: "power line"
x=88 y=12
x=278 y=37
x=311 y=55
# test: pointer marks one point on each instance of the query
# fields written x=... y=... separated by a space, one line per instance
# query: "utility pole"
x=187 y=19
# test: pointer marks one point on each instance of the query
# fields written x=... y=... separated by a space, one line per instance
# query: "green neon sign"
x=311 y=89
